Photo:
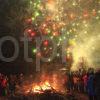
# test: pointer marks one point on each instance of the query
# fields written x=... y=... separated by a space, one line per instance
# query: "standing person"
x=12 y=86
x=80 y=84
x=97 y=84
x=20 y=79
x=90 y=86
x=75 y=80
x=85 y=79
x=70 y=82
x=0 y=84
x=4 y=86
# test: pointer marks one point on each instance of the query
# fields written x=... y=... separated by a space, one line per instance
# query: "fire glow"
x=53 y=83
x=42 y=87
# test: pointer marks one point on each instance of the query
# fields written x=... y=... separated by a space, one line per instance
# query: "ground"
x=78 y=96
x=81 y=96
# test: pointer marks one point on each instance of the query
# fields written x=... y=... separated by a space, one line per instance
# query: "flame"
x=38 y=88
x=52 y=83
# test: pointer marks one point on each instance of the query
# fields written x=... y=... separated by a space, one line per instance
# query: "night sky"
x=74 y=21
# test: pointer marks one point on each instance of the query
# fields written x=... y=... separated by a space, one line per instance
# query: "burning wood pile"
x=47 y=87
x=40 y=88
x=52 y=83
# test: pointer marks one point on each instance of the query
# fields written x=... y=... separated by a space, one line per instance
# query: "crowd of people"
x=87 y=82
x=8 y=84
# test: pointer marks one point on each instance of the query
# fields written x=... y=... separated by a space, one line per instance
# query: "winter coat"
x=90 y=85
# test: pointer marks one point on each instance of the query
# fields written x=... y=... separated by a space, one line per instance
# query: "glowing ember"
x=42 y=87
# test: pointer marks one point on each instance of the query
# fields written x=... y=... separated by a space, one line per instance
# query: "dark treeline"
x=12 y=23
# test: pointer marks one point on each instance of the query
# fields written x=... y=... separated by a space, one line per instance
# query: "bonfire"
x=53 y=83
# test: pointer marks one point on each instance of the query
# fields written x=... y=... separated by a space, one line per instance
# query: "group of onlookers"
x=87 y=82
x=8 y=84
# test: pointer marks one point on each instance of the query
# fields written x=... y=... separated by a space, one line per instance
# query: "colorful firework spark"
x=73 y=21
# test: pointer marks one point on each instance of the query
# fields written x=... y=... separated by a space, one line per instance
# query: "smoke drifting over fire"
x=87 y=45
